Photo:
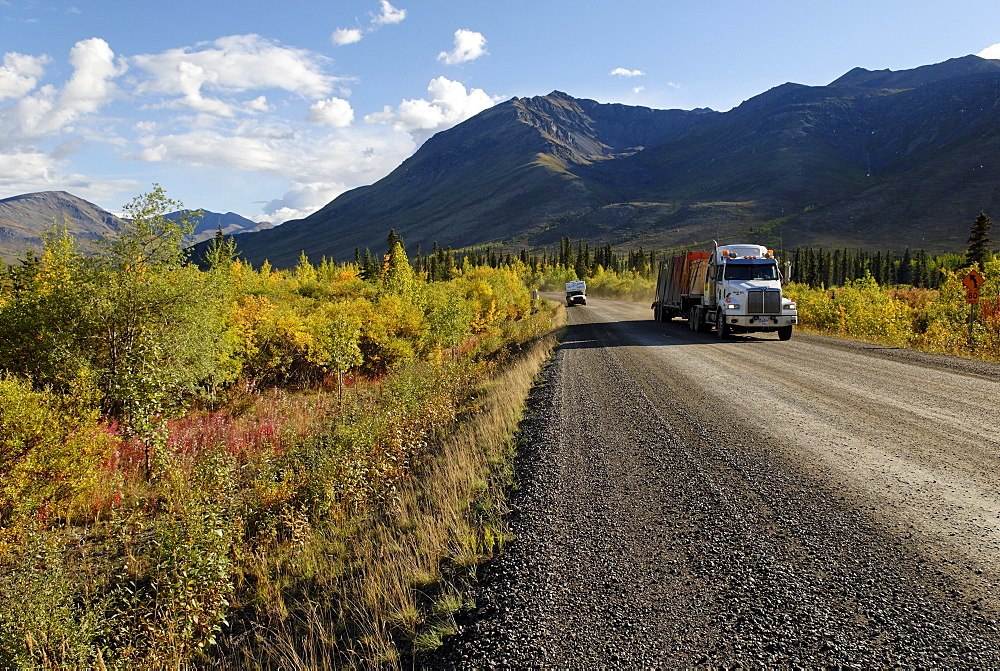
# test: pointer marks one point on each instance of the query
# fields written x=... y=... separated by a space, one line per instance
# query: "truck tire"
x=720 y=325
x=785 y=332
x=693 y=319
x=703 y=326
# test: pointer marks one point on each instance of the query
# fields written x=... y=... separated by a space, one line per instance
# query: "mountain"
x=24 y=219
x=208 y=225
x=876 y=159
x=508 y=172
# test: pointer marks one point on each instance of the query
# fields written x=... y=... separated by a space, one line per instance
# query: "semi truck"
x=576 y=293
x=733 y=288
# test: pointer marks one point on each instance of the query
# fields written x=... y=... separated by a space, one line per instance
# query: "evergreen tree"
x=369 y=268
x=392 y=239
x=888 y=270
x=905 y=274
x=582 y=263
x=920 y=270
x=810 y=276
x=979 y=242
x=220 y=252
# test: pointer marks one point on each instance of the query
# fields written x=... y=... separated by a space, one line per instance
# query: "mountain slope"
x=25 y=218
x=508 y=172
x=208 y=225
x=875 y=159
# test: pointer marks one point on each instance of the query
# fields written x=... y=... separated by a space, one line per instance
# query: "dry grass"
x=382 y=583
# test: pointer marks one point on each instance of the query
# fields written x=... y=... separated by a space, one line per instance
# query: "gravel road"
x=689 y=501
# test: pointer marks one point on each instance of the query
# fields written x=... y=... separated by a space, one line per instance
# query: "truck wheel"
x=785 y=332
x=693 y=319
x=703 y=326
x=721 y=326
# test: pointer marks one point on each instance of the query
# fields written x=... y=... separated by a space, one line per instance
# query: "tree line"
x=812 y=266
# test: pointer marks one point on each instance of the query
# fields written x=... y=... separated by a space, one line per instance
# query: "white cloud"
x=19 y=74
x=638 y=89
x=258 y=104
x=450 y=104
x=300 y=201
x=321 y=164
x=68 y=147
x=992 y=52
x=343 y=36
x=48 y=110
x=32 y=170
x=386 y=15
x=232 y=65
x=469 y=45
x=333 y=112
x=93 y=69
x=389 y=14
x=624 y=72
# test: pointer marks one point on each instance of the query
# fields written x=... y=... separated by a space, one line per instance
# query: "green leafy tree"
x=345 y=353
x=979 y=242
x=156 y=328
x=149 y=239
x=42 y=321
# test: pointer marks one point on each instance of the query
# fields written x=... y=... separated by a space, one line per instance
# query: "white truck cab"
x=743 y=289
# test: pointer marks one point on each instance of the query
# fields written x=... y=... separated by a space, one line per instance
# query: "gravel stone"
x=684 y=501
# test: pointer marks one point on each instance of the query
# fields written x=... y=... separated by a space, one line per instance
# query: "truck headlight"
x=732 y=306
x=791 y=306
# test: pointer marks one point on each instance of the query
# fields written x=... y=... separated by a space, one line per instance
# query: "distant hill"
x=209 y=224
x=876 y=159
x=25 y=219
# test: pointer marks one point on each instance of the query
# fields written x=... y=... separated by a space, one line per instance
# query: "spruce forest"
x=246 y=467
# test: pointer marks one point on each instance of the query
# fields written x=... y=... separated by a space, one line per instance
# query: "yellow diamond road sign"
x=973 y=280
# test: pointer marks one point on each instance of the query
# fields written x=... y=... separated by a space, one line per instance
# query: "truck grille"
x=763 y=302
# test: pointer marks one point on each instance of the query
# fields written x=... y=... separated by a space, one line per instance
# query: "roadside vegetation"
x=243 y=467
x=908 y=299
x=915 y=301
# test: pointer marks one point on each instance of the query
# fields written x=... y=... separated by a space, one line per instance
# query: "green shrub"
x=51 y=449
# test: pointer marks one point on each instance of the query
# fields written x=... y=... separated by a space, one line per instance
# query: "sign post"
x=973 y=281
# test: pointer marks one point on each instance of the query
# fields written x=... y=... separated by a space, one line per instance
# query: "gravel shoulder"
x=688 y=501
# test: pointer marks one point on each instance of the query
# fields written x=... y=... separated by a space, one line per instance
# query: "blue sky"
x=272 y=109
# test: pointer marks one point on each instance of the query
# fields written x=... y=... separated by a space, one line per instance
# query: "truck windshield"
x=751 y=271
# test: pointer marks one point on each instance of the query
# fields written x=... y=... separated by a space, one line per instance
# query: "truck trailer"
x=734 y=288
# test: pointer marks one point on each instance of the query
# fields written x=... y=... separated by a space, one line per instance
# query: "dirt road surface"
x=689 y=501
